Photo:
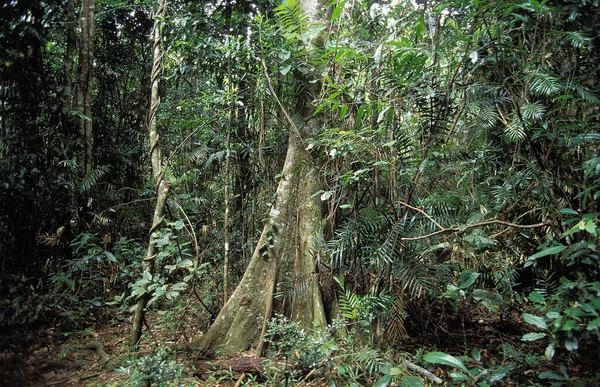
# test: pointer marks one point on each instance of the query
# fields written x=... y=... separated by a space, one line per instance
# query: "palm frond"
x=543 y=84
x=533 y=110
x=575 y=38
x=292 y=17
x=514 y=130
x=93 y=177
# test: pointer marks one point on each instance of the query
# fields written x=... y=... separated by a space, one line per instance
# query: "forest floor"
x=50 y=356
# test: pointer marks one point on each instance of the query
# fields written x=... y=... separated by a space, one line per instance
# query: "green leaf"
x=569 y=325
x=395 y=371
x=550 y=375
x=475 y=354
x=110 y=256
x=590 y=227
x=444 y=358
x=468 y=279
x=412 y=381
x=547 y=251
x=595 y=323
x=538 y=321
x=326 y=195
x=500 y=374
x=384 y=381
x=185 y=263
x=550 y=350
x=533 y=336
x=537 y=298
x=571 y=344
x=338 y=9
x=567 y=211
x=285 y=69
x=459 y=376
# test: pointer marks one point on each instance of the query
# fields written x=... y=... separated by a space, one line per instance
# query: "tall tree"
x=83 y=97
x=162 y=186
x=284 y=260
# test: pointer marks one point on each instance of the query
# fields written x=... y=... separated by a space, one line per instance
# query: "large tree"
x=284 y=261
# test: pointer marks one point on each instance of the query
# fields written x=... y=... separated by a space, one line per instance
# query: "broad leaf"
x=533 y=336
x=444 y=358
x=538 y=321
x=384 y=381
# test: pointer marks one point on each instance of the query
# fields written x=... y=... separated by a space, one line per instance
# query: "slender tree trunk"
x=226 y=197
x=84 y=98
x=69 y=57
x=284 y=261
x=162 y=186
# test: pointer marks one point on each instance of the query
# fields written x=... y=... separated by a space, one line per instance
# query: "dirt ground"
x=54 y=356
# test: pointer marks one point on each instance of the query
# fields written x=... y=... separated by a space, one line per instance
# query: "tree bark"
x=163 y=188
x=69 y=58
x=84 y=98
x=282 y=262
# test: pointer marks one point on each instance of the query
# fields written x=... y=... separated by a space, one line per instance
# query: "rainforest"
x=299 y=193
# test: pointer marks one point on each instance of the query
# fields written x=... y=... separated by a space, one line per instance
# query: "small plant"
x=304 y=350
x=152 y=370
x=572 y=314
x=476 y=375
x=562 y=379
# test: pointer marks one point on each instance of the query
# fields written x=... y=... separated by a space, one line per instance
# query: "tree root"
x=106 y=362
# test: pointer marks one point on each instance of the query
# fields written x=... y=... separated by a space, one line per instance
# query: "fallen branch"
x=422 y=371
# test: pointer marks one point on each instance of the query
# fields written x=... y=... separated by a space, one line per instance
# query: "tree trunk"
x=84 y=100
x=284 y=261
x=163 y=188
x=69 y=58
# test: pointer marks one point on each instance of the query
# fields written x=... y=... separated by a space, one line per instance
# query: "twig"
x=423 y=371
x=214 y=316
x=306 y=377
x=422 y=212
x=480 y=224
x=240 y=380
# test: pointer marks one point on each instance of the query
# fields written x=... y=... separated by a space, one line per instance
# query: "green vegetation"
x=359 y=194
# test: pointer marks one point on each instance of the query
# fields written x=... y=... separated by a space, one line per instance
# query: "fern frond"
x=93 y=177
x=371 y=360
x=395 y=325
x=514 y=130
x=484 y=96
x=292 y=17
x=575 y=38
x=542 y=83
x=198 y=154
x=533 y=111
x=586 y=94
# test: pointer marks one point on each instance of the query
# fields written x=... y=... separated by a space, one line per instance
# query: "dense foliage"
x=458 y=151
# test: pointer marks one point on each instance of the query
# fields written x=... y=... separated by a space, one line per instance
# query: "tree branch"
x=474 y=225
x=422 y=212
